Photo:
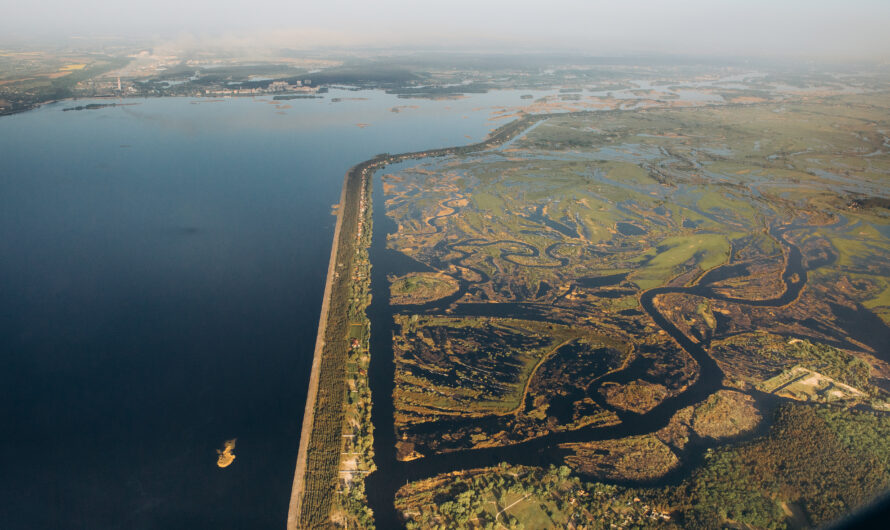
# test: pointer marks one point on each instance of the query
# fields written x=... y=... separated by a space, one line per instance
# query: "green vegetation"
x=636 y=396
x=668 y=258
x=468 y=366
x=826 y=461
x=816 y=464
x=573 y=224
x=419 y=288
x=724 y=414
x=832 y=362
x=39 y=78
x=335 y=398
x=357 y=453
x=349 y=297
x=769 y=361
x=632 y=458
x=520 y=497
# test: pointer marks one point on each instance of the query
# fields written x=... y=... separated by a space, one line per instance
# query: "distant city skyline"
x=818 y=29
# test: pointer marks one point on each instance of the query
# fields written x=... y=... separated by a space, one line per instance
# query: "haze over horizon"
x=757 y=28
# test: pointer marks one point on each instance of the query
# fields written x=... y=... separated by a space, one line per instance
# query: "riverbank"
x=309 y=411
x=318 y=461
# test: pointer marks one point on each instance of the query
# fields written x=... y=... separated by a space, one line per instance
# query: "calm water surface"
x=161 y=273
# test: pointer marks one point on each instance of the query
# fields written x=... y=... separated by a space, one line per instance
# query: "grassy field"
x=420 y=288
x=667 y=260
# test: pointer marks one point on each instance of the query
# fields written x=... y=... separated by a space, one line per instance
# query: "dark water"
x=630 y=229
x=161 y=272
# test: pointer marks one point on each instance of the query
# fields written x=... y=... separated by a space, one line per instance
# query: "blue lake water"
x=161 y=273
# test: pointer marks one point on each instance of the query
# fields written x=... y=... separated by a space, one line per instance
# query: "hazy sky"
x=738 y=27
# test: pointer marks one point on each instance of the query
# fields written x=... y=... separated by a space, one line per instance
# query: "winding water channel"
x=392 y=474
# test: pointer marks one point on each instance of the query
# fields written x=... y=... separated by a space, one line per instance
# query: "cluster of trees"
x=360 y=286
x=827 y=360
x=353 y=500
x=355 y=503
x=326 y=437
x=477 y=501
x=834 y=363
x=828 y=461
x=498 y=136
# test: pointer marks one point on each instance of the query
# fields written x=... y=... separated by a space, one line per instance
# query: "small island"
x=226 y=455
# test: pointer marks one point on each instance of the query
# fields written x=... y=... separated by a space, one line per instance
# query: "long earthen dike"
x=293 y=512
x=318 y=459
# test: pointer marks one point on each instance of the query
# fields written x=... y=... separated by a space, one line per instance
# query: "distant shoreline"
x=37 y=106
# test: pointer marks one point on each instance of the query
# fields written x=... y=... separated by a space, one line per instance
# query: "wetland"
x=669 y=288
x=642 y=299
